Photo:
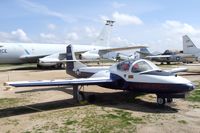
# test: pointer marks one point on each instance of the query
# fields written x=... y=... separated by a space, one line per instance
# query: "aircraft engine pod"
x=90 y=55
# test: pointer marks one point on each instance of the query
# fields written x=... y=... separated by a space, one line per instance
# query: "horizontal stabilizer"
x=177 y=70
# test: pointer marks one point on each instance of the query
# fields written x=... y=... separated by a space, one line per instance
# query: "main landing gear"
x=162 y=101
x=78 y=96
x=56 y=66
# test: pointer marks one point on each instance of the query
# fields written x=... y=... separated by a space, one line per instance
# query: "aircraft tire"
x=58 y=66
x=80 y=97
x=161 y=101
x=169 y=100
x=39 y=66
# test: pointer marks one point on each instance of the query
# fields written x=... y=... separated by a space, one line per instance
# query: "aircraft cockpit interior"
x=136 y=66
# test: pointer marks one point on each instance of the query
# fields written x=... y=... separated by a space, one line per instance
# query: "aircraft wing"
x=31 y=57
x=106 y=50
x=66 y=61
x=48 y=58
x=177 y=70
x=61 y=82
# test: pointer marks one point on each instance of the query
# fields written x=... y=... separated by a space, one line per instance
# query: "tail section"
x=188 y=46
x=104 y=36
x=144 y=52
x=73 y=65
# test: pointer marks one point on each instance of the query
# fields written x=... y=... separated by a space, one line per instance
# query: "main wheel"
x=169 y=100
x=58 y=66
x=39 y=66
x=80 y=97
x=161 y=101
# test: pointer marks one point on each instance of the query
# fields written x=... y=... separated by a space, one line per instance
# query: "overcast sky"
x=159 y=24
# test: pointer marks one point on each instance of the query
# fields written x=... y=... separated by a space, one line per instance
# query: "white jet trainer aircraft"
x=17 y=53
x=131 y=75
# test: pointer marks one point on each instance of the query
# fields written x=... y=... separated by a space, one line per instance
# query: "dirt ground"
x=48 y=109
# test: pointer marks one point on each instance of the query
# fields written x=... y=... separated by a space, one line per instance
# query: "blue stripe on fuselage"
x=120 y=83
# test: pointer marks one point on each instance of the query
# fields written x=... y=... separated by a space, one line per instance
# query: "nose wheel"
x=161 y=101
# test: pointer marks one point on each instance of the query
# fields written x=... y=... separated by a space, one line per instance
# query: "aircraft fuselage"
x=18 y=53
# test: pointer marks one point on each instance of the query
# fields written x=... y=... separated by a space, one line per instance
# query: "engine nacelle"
x=121 y=56
x=90 y=56
x=45 y=63
x=50 y=61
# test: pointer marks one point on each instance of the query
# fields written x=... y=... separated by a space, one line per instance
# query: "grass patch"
x=117 y=120
x=182 y=122
x=11 y=102
x=70 y=122
x=90 y=119
x=195 y=94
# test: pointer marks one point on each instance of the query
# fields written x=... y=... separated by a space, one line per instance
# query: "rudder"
x=72 y=65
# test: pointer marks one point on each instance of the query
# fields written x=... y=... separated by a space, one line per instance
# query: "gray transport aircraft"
x=168 y=56
x=131 y=75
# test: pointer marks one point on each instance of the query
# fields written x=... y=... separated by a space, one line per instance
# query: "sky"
x=158 y=24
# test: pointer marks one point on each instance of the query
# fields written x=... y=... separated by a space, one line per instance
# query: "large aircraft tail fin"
x=73 y=65
x=188 y=46
x=104 y=36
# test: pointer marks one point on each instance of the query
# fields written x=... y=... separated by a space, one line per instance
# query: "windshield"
x=140 y=67
x=124 y=66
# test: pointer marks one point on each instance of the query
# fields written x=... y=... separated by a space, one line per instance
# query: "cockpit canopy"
x=136 y=66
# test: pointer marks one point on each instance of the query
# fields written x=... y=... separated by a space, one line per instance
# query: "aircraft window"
x=124 y=66
x=140 y=67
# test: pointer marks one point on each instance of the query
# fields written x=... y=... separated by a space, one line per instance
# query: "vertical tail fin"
x=188 y=46
x=144 y=52
x=104 y=36
x=73 y=65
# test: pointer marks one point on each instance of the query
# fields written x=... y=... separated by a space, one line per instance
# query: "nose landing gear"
x=162 y=101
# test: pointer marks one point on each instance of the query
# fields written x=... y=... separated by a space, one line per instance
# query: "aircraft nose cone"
x=190 y=87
